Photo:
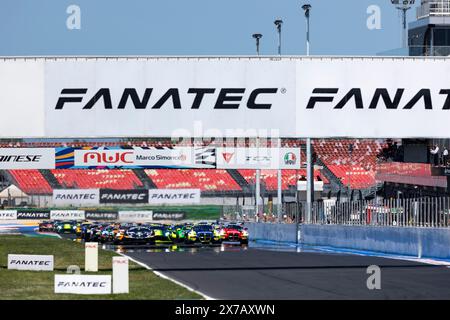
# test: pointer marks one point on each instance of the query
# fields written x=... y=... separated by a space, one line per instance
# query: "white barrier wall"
x=373 y=97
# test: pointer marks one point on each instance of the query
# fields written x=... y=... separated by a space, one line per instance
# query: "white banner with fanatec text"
x=363 y=97
x=8 y=214
x=174 y=196
x=76 y=197
x=67 y=214
x=82 y=284
x=258 y=158
x=30 y=262
x=27 y=158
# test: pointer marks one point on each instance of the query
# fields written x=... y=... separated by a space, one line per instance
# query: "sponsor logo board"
x=174 y=196
x=67 y=215
x=83 y=284
x=130 y=216
x=76 y=196
x=8 y=214
x=32 y=214
x=101 y=215
x=167 y=215
x=30 y=262
x=27 y=158
x=258 y=158
x=123 y=196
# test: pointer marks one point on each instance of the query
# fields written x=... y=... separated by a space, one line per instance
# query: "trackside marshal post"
x=91 y=257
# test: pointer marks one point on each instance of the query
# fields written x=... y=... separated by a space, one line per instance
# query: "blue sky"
x=194 y=27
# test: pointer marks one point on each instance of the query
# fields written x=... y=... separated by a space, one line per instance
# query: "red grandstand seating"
x=31 y=181
x=406 y=169
x=205 y=180
x=270 y=178
x=356 y=177
x=96 y=178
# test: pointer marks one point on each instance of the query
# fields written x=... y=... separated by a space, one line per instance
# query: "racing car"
x=178 y=232
x=234 y=233
x=65 y=226
x=202 y=233
x=135 y=235
x=46 y=226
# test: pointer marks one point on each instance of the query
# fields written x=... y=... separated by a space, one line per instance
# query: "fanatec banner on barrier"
x=258 y=158
x=174 y=196
x=8 y=214
x=76 y=197
x=123 y=196
x=364 y=97
x=27 y=158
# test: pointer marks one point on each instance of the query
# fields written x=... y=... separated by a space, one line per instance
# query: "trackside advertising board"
x=131 y=216
x=30 y=262
x=174 y=196
x=82 y=284
x=76 y=197
x=123 y=196
x=27 y=158
x=363 y=97
x=33 y=214
x=258 y=158
x=8 y=214
x=67 y=215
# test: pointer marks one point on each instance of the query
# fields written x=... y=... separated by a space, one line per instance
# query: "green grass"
x=39 y=285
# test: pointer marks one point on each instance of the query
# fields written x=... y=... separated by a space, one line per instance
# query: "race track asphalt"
x=263 y=274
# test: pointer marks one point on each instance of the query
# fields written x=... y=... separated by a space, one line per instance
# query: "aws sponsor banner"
x=33 y=214
x=168 y=215
x=76 y=196
x=8 y=214
x=130 y=216
x=123 y=196
x=82 y=284
x=101 y=215
x=67 y=215
x=30 y=262
x=174 y=196
x=258 y=158
x=27 y=158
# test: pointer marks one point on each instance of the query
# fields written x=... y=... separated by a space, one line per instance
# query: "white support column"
x=279 y=190
x=258 y=184
x=308 y=179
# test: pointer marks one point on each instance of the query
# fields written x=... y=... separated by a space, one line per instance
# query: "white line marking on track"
x=159 y=274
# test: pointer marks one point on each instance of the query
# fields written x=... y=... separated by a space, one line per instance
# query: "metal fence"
x=415 y=212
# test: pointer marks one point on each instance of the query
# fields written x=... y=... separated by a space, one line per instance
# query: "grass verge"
x=39 y=285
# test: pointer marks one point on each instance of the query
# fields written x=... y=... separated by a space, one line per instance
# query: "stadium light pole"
x=403 y=6
x=278 y=24
x=309 y=166
x=257 y=37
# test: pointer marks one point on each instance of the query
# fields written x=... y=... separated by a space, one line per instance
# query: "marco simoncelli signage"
x=137 y=157
x=27 y=158
x=131 y=216
x=76 y=197
x=67 y=215
x=33 y=214
x=174 y=196
x=258 y=158
x=30 y=262
x=82 y=284
x=8 y=214
x=123 y=196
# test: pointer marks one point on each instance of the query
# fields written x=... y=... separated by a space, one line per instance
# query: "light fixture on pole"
x=403 y=6
x=278 y=24
x=257 y=37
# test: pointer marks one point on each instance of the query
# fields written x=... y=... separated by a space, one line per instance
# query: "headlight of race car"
x=216 y=234
x=245 y=233
x=192 y=233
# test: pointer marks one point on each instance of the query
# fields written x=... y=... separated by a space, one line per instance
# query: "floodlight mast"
x=257 y=37
x=278 y=23
x=403 y=6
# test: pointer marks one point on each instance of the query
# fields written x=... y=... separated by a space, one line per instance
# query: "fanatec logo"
x=225 y=98
x=381 y=96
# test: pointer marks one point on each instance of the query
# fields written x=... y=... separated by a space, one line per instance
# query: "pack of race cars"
x=150 y=233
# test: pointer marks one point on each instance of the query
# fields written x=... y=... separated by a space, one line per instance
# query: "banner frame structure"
x=309 y=75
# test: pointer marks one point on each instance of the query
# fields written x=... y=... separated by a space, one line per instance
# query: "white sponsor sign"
x=27 y=158
x=174 y=196
x=8 y=214
x=120 y=275
x=82 y=284
x=182 y=157
x=67 y=214
x=131 y=216
x=76 y=196
x=371 y=97
x=258 y=158
x=30 y=262
x=91 y=257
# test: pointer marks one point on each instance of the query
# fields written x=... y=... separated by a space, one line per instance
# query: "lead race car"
x=136 y=235
x=234 y=233
x=202 y=233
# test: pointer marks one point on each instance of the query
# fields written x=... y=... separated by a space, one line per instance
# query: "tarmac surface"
x=235 y=272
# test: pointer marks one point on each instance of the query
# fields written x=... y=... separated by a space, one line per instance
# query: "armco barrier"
x=272 y=231
x=421 y=242
x=414 y=241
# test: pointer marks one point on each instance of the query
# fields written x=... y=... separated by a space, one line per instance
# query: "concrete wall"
x=279 y=232
x=422 y=242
